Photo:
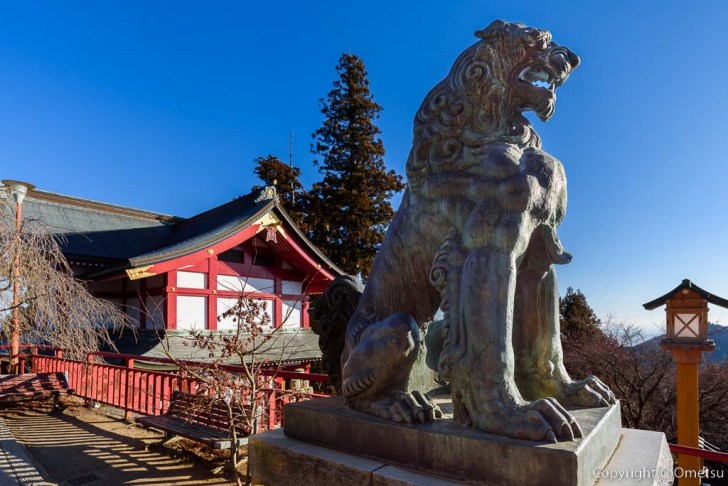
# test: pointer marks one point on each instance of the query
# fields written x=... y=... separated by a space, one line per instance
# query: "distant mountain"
x=716 y=332
x=719 y=334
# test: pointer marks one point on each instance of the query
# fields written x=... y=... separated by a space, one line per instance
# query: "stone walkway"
x=16 y=467
x=81 y=447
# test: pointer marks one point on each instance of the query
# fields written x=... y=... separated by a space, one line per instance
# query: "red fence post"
x=90 y=378
x=33 y=357
x=126 y=382
x=272 y=410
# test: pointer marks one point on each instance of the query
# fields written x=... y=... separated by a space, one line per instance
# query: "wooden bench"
x=34 y=384
x=197 y=418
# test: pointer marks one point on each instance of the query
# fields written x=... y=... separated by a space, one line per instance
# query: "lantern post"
x=18 y=190
x=686 y=336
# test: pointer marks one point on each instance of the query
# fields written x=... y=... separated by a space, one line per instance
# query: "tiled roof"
x=94 y=229
x=207 y=228
x=127 y=237
x=284 y=347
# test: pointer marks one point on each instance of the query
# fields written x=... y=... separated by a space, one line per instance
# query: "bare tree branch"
x=54 y=308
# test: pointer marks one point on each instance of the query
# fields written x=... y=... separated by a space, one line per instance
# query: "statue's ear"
x=495 y=27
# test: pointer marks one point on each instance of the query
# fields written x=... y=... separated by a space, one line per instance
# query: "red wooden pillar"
x=170 y=304
x=304 y=312
x=212 y=294
x=277 y=302
x=143 y=316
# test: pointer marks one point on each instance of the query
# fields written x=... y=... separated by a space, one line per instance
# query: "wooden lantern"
x=686 y=309
x=686 y=335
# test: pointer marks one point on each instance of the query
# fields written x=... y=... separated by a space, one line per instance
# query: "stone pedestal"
x=326 y=443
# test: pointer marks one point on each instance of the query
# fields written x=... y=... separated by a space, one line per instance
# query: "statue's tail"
x=329 y=318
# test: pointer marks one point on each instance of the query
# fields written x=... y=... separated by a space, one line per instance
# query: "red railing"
x=148 y=392
x=693 y=451
x=132 y=390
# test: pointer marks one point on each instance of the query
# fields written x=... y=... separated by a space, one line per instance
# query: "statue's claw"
x=412 y=407
x=542 y=420
x=589 y=392
x=572 y=430
x=563 y=425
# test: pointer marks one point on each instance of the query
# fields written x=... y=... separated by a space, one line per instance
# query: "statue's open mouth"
x=538 y=83
x=539 y=78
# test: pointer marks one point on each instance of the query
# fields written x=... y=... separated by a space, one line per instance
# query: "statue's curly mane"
x=472 y=106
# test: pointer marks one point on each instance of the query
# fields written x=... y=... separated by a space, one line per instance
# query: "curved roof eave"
x=173 y=251
x=309 y=245
x=202 y=243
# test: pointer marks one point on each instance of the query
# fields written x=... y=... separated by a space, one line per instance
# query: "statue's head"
x=510 y=70
x=528 y=63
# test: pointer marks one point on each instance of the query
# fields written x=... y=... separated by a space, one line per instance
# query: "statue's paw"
x=541 y=420
x=413 y=407
x=589 y=392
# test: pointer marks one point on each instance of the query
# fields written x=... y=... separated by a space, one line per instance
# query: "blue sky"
x=164 y=105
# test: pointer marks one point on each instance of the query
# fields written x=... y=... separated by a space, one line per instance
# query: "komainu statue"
x=475 y=235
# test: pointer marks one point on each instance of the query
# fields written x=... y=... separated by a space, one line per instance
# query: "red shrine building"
x=173 y=273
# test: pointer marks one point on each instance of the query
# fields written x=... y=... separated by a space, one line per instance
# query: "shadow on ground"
x=79 y=447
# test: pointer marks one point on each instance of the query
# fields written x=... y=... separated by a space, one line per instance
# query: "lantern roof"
x=686 y=284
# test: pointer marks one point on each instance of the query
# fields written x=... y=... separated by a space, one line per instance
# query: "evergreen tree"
x=348 y=212
x=578 y=320
x=273 y=172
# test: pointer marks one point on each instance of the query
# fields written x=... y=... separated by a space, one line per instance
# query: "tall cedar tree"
x=286 y=178
x=348 y=212
x=578 y=320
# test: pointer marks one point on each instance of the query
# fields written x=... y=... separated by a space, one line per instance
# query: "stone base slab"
x=277 y=460
x=446 y=449
x=641 y=459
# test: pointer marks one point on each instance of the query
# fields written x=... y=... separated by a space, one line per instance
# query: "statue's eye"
x=540 y=40
x=534 y=38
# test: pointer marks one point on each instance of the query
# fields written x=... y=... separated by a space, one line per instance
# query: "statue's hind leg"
x=376 y=371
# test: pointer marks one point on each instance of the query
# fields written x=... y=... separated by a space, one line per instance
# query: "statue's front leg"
x=484 y=390
x=540 y=370
x=376 y=369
